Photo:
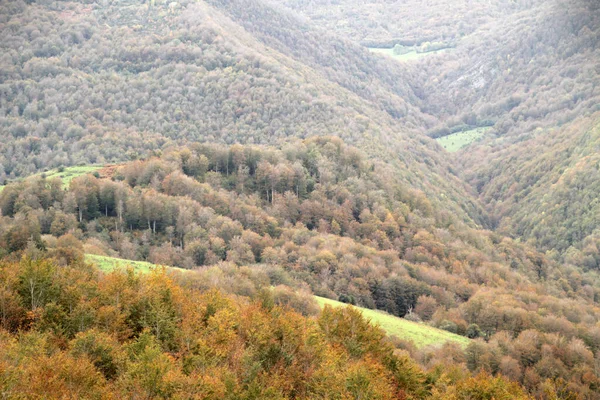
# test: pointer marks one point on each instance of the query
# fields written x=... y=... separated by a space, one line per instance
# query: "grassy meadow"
x=458 y=140
x=70 y=173
x=108 y=264
x=410 y=56
x=422 y=335
x=67 y=174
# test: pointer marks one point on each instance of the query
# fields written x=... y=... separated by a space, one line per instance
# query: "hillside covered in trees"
x=536 y=173
x=412 y=22
x=529 y=71
x=120 y=335
x=265 y=150
x=318 y=217
x=114 y=82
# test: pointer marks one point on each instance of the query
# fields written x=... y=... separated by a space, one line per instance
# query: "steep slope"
x=104 y=83
x=317 y=216
x=515 y=66
x=421 y=334
x=536 y=79
x=379 y=23
x=378 y=219
x=550 y=195
x=165 y=339
x=529 y=72
x=535 y=69
x=374 y=79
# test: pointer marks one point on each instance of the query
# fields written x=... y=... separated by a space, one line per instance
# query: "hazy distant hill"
x=529 y=71
x=536 y=79
x=262 y=144
x=104 y=83
x=384 y=23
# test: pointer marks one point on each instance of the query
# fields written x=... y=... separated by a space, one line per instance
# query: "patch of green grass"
x=458 y=140
x=70 y=173
x=67 y=174
x=108 y=264
x=409 y=56
x=422 y=335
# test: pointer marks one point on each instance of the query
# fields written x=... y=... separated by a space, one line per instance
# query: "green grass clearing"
x=108 y=264
x=422 y=335
x=70 y=173
x=67 y=174
x=410 y=56
x=459 y=140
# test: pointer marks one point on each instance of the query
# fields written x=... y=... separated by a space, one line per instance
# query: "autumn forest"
x=282 y=199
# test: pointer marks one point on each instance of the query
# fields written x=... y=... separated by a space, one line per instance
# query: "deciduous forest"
x=190 y=190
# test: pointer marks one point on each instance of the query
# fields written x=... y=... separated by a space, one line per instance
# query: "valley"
x=407 y=55
x=459 y=140
x=434 y=165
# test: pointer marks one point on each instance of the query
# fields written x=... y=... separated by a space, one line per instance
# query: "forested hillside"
x=104 y=83
x=318 y=217
x=88 y=335
x=267 y=152
x=537 y=68
x=412 y=22
x=536 y=80
x=528 y=71
x=516 y=66
x=550 y=196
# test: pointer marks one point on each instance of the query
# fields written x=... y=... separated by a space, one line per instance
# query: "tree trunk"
x=32 y=293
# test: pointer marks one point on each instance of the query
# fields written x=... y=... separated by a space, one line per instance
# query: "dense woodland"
x=116 y=82
x=537 y=174
x=318 y=217
x=385 y=23
x=527 y=69
x=88 y=335
x=550 y=197
x=260 y=147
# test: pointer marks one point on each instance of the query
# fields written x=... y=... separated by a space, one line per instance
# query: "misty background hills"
x=435 y=160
